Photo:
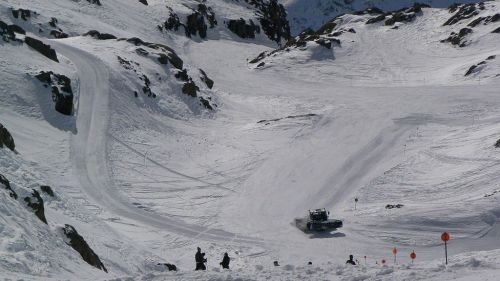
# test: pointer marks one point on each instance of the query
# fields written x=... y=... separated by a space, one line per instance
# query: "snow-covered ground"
x=388 y=118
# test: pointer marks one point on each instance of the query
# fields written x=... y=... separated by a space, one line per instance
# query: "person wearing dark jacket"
x=225 y=261
x=351 y=260
x=200 y=259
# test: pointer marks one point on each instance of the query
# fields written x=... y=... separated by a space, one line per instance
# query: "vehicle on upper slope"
x=317 y=221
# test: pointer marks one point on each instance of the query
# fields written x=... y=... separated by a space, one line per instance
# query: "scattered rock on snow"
x=204 y=77
x=80 y=245
x=62 y=94
x=393 y=206
x=465 y=11
x=6 y=139
x=458 y=38
x=100 y=36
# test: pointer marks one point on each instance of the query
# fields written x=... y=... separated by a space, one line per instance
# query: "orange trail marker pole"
x=394 y=252
x=445 y=237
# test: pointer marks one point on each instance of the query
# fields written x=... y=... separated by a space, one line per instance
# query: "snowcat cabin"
x=318 y=215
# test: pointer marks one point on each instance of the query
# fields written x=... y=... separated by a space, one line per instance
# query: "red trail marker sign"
x=445 y=237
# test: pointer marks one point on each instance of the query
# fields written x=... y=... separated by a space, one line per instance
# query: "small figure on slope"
x=225 y=261
x=200 y=260
x=351 y=260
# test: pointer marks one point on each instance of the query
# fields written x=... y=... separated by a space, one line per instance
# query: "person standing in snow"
x=351 y=260
x=200 y=259
x=225 y=261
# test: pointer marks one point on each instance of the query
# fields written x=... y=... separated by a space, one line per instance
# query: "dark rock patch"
x=146 y=88
x=267 y=122
x=24 y=14
x=58 y=34
x=170 y=267
x=190 y=89
x=243 y=29
x=376 y=19
x=491 y=57
x=6 y=185
x=16 y=28
x=497 y=145
x=48 y=190
x=195 y=23
x=369 y=11
x=458 y=38
x=42 y=48
x=6 y=139
x=206 y=103
x=62 y=94
x=80 y=245
x=145 y=2
x=35 y=202
x=496 y=30
x=395 y=206
x=204 y=77
x=182 y=75
x=273 y=19
x=96 y=2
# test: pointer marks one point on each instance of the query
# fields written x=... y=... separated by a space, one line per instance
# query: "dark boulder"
x=471 y=70
x=170 y=267
x=204 y=77
x=62 y=94
x=173 y=22
x=80 y=245
x=393 y=206
x=42 y=48
x=100 y=36
x=496 y=30
x=182 y=75
x=58 y=34
x=6 y=139
x=35 y=202
x=4 y=182
x=145 y=2
x=243 y=29
x=48 y=190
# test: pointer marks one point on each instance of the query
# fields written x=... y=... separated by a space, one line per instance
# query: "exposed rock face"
x=168 y=55
x=242 y=29
x=6 y=139
x=80 y=245
x=62 y=94
x=42 y=48
x=6 y=185
x=58 y=34
x=206 y=103
x=458 y=38
x=100 y=36
x=190 y=89
x=35 y=202
x=273 y=19
x=401 y=15
x=465 y=11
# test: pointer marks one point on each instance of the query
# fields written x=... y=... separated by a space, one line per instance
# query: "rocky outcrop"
x=479 y=66
x=6 y=139
x=42 y=48
x=195 y=23
x=145 y=2
x=5 y=184
x=166 y=56
x=496 y=30
x=62 y=94
x=462 y=12
x=243 y=29
x=402 y=15
x=100 y=36
x=35 y=202
x=189 y=88
x=80 y=245
x=459 y=38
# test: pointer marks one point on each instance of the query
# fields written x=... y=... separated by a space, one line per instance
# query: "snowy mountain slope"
x=146 y=172
x=304 y=14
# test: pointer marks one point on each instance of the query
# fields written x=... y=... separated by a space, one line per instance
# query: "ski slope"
x=388 y=118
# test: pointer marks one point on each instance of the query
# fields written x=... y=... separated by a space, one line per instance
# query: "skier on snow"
x=225 y=261
x=200 y=259
x=350 y=260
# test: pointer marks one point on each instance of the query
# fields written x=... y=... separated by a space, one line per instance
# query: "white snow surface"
x=388 y=118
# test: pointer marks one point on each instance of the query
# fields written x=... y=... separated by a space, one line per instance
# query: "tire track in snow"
x=89 y=152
